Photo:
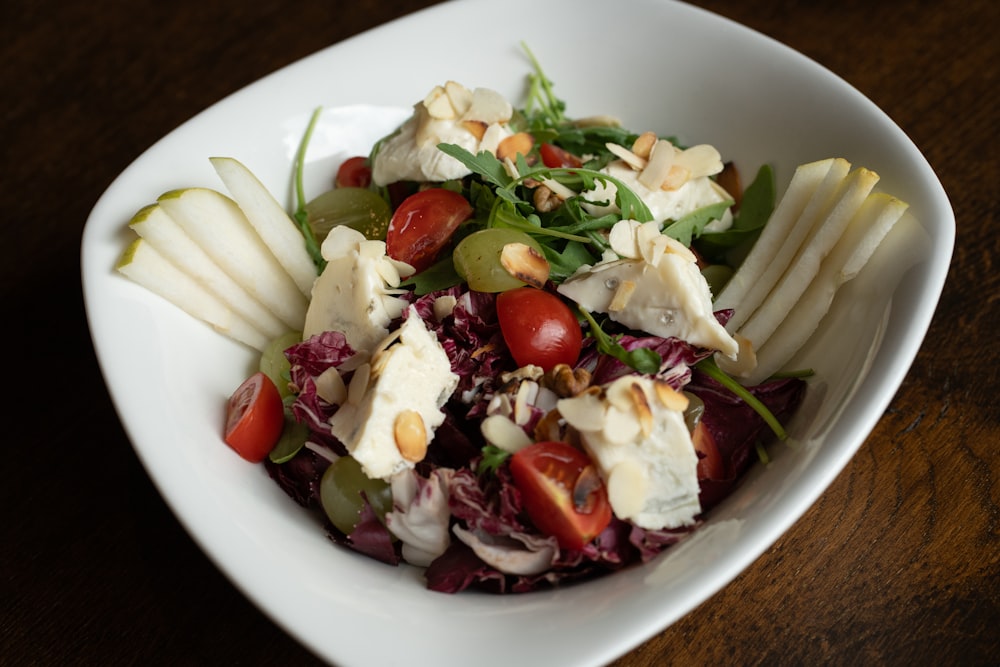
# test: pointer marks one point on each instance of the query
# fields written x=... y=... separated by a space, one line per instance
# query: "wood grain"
x=897 y=563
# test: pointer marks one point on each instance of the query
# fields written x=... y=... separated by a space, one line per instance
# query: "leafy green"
x=755 y=210
x=690 y=226
x=301 y=216
x=641 y=359
x=711 y=369
x=493 y=458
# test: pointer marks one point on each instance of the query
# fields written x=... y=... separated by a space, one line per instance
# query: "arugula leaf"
x=301 y=215
x=438 y=276
x=493 y=458
x=711 y=369
x=755 y=210
x=641 y=359
x=688 y=227
x=564 y=263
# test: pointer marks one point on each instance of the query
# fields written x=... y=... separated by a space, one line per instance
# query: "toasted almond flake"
x=525 y=263
x=503 y=433
x=643 y=145
x=621 y=426
x=701 y=160
x=488 y=106
x=476 y=128
x=660 y=161
x=627 y=156
x=444 y=306
x=622 y=296
x=676 y=177
x=459 y=96
x=438 y=105
x=644 y=413
x=359 y=384
x=560 y=190
x=623 y=238
x=670 y=397
x=330 y=386
x=527 y=391
x=387 y=271
x=600 y=120
x=618 y=393
x=411 y=435
x=519 y=143
x=584 y=412
x=626 y=485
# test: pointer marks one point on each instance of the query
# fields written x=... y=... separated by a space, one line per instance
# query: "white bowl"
x=655 y=64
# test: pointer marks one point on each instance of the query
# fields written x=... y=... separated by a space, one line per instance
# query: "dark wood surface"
x=897 y=563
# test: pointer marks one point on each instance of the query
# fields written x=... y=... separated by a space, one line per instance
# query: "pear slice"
x=876 y=217
x=271 y=222
x=169 y=240
x=779 y=240
x=219 y=226
x=851 y=193
x=142 y=264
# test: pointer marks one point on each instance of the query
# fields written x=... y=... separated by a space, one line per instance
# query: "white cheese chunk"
x=447 y=115
x=353 y=295
x=409 y=375
x=663 y=204
x=661 y=292
x=642 y=449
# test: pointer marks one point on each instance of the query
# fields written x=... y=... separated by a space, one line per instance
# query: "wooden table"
x=897 y=563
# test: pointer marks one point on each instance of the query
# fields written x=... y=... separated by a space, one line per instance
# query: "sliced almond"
x=411 y=435
x=644 y=414
x=525 y=263
x=675 y=178
x=584 y=412
x=359 y=384
x=438 y=105
x=519 y=143
x=627 y=156
x=621 y=426
x=503 y=433
x=626 y=484
x=660 y=161
x=622 y=296
x=670 y=397
x=476 y=128
x=643 y=145
x=459 y=96
x=488 y=106
x=330 y=386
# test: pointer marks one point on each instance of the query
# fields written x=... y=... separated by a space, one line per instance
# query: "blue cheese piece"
x=656 y=287
x=394 y=403
x=634 y=431
x=356 y=292
x=476 y=120
x=664 y=205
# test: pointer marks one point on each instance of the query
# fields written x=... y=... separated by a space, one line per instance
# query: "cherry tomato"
x=710 y=463
x=562 y=492
x=255 y=416
x=555 y=157
x=423 y=223
x=354 y=172
x=538 y=327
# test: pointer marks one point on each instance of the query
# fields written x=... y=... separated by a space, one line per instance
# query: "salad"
x=494 y=348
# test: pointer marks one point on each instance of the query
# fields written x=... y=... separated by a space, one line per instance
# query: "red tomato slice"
x=555 y=157
x=562 y=492
x=255 y=416
x=538 y=327
x=710 y=463
x=354 y=172
x=423 y=223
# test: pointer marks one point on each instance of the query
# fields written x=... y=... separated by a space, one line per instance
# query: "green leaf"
x=493 y=458
x=440 y=275
x=564 y=263
x=755 y=210
x=689 y=227
x=642 y=359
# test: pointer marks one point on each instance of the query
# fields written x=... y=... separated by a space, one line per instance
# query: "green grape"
x=340 y=493
x=694 y=411
x=717 y=275
x=358 y=208
x=274 y=364
x=293 y=437
x=477 y=258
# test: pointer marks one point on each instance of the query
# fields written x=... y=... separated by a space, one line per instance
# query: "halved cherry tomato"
x=538 y=327
x=710 y=463
x=423 y=223
x=255 y=416
x=354 y=172
x=555 y=157
x=562 y=492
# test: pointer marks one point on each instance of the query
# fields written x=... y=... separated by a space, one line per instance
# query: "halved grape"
x=274 y=364
x=340 y=492
x=477 y=258
x=358 y=208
